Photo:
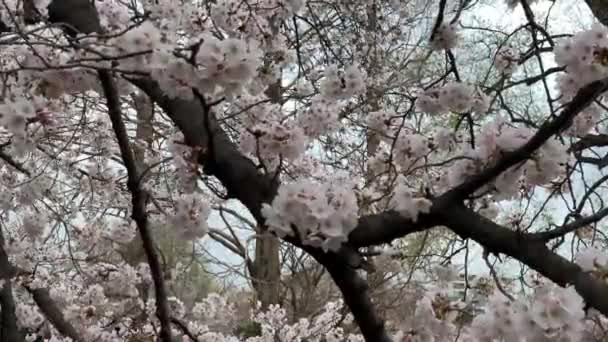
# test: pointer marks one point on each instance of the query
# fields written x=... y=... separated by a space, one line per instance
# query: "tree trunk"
x=268 y=272
x=267 y=266
x=267 y=261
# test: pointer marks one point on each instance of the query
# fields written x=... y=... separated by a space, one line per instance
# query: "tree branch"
x=53 y=314
x=237 y=173
x=246 y=183
x=590 y=140
x=583 y=98
x=12 y=162
x=599 y=162
x=184 y=328
x=387 y=226
x=138 y=201
x=570 y=227
x=9 y=330
x=533 y=253
x=599 y=9
x=355 y=291
x=47 y=305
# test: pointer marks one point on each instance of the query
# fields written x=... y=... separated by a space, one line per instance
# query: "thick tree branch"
x=15 y=164
x=439 y=19
x=138 y=201
x=599 y=9
x=47 y=305
x=246 y=183
x=238 y=174
x=532 y=252
x=355 y=291
x=590 y=140
x=9 y=331
x=76 y=16
x=387 y=226
x=53 y=314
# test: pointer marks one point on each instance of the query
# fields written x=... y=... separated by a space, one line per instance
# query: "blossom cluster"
x=214 y=309
x=241 y=63
x=94 y=308
x=226 y=63
x=191 y=214
x=34 y=225
x=407 y=204
x=551 y=313
x=585 y=57
x=223 y=65
x=55 y=83
x=275 y=325
x=122 y=232
x=184 y=159
x=320 y=118
x=109 y=291
x=14 y=116
x=270 y=134
x=410 y=149
x=28 y=316
x=496 y=138
x=426 y=326
x=455 y=96
x=267 y=139
x=320 y=215
x=380 y=121
x=554 y=313
x=167 y=44
x=592 y=259
x=445 y=37
x=337 y=85
x=506 y=61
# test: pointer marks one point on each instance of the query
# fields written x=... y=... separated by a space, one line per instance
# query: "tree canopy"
x=374 y=151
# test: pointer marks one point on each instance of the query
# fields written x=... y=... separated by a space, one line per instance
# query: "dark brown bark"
x=53 y=314
x=138 y=202
x=532 y=252
x=9 y=331
x=267 y=270
x=45 y=303
x=267 y=263
x=244 y=182
x=133 y=252
x=599 y=9
x=355 y=291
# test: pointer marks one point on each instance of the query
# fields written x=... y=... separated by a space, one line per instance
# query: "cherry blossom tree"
x=341 y=128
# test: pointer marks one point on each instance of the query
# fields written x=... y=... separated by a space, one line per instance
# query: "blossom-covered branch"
x=362 y=147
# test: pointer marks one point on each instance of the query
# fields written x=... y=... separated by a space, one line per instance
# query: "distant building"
x=475 y=290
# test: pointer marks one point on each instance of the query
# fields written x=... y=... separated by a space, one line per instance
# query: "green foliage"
x=191 y=280
x=248 y=329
